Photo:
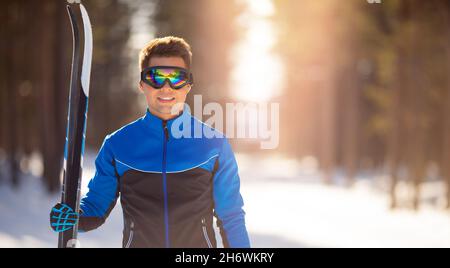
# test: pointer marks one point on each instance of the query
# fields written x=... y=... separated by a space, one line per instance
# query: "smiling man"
x=170 y=188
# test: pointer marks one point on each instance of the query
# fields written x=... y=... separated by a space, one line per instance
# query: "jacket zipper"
x=164 y=167
x=130 y=236
x=205 y=233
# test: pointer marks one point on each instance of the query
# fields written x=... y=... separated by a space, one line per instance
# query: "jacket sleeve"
x=103 y=191
x=228 y=200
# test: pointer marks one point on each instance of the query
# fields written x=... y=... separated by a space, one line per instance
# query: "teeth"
x=167 y=98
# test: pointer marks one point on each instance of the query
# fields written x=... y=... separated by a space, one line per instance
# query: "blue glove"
x=63 y=218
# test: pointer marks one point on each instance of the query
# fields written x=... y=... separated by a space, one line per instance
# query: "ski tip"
x=74 y=1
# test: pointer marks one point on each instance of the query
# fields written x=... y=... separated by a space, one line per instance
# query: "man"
x=170 y=188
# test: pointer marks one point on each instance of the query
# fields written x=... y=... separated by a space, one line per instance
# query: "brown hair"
x=169 y=46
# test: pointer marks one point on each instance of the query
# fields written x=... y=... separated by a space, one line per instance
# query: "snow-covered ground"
x=285 y=203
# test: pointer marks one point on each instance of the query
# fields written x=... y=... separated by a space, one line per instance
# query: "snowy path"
x=282 y=211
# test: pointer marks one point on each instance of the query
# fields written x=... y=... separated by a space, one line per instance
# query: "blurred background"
x=364 y=94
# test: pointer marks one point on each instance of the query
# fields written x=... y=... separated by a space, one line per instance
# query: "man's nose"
x=166 y=87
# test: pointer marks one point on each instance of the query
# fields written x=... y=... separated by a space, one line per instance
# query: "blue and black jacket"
x=170 y=187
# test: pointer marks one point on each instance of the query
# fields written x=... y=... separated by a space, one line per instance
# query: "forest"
x=362 y=87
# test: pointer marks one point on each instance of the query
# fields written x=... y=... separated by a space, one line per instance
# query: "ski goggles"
x=157 y=77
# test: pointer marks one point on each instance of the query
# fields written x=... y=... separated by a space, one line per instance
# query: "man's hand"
x=63 y=218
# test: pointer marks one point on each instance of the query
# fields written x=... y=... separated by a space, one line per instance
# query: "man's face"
x=161 y=101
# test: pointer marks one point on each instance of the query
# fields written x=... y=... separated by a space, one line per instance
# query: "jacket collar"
x=155 y=123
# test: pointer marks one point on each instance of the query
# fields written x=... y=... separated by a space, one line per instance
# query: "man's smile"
x=166 y=99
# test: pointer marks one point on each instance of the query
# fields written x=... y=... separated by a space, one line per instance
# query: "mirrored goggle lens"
x=157 y=77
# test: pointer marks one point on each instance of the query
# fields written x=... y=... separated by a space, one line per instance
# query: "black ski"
x=77 y=114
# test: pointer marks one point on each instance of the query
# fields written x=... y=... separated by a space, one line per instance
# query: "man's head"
x=169 y=52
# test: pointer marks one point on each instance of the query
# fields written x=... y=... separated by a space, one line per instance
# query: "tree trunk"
x=351 y=122
x=417 y=137
x=397 y=111
x=3 y=68
x=446 y=142
x=395 y=129
x=48 y=111
x=13 y=10
x=446 y=147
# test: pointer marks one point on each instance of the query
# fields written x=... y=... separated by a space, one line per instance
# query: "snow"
x=286 y=206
